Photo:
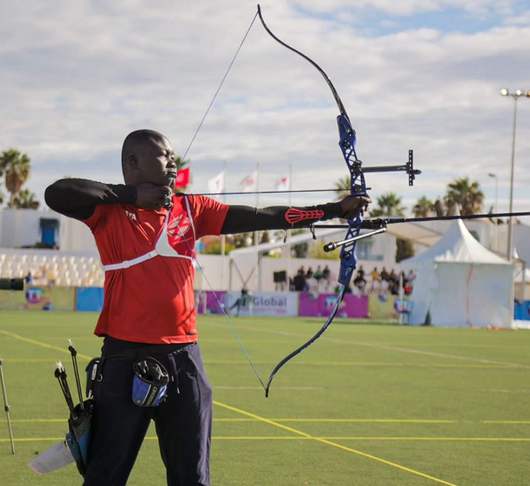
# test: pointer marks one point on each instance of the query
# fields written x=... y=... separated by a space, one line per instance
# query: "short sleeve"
x=97 y=221
x=208 y=214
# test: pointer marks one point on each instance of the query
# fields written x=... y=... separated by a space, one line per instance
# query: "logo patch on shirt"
x=178 y=227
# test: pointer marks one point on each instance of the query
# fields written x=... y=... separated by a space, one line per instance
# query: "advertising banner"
x=382 y=306
x=257 y=304
x=274 y=303
x=89 y=299
x=207 y=303
x=320 y=305
x=39 y=298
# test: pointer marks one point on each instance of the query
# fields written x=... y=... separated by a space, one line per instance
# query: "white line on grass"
x=381 y=346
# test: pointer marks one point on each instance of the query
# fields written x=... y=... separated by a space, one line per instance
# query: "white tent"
x=461 y=283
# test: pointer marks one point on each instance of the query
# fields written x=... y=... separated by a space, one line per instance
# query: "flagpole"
x=223 y=237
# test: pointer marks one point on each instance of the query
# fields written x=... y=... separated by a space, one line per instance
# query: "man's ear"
x=131 y=162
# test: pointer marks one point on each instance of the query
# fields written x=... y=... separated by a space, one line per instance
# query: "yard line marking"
x=317 y=420
x=321 y=420
x=390 y=348
x=44 y=345
x=322 y=439
x=221 y=387
x=333 y=444
x=364 y=364
x=506 y=422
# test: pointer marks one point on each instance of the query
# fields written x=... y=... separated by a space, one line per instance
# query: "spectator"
x=311 y=283
x=299 y=281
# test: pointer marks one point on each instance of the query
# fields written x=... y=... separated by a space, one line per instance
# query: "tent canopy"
x=457 y=245
x=460 y=283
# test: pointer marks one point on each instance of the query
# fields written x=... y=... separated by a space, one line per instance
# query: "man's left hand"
x=352 y=205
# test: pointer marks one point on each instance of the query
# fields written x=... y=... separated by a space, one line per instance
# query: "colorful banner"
x=271 y=303
x=257 y=304
x=522 y=311
x=39 y=298
x=89 y=299
x=207 y=302
x=382 y=306
x=321 y=305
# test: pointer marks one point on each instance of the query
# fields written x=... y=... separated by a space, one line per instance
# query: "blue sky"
x=78 y=76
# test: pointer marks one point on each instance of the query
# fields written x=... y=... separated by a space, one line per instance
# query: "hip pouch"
x=149 y=382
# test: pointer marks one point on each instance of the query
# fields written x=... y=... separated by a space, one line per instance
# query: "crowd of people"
x=376 y=282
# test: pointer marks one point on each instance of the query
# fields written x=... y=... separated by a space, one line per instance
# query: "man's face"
x=156 y=162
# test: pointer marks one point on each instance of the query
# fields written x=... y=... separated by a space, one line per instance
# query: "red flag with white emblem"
x=183 y=178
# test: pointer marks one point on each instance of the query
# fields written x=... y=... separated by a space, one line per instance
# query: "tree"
x=465 y=194
x=423 y=208
x=342 y=187
x=16 y=167
x=388 y=204
x=26 y=199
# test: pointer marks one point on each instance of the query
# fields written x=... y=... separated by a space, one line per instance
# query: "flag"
x=217 y=183
x=250 y=183
x=183 y=178
x=283 y=184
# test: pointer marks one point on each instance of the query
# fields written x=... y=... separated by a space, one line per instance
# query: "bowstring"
x=219 y=88
x=221 y=306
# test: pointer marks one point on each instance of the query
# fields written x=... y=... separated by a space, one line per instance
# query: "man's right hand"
x=150 y=196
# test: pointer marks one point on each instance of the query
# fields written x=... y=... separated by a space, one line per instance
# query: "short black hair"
x=136 y=139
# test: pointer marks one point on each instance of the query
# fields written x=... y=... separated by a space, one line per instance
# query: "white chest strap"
x=130 y=263
x=162 y=247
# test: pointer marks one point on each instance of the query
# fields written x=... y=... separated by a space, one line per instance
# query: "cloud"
x=77 y=77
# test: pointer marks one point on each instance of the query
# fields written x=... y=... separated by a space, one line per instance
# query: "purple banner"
x=206 y=301
x=312 y=305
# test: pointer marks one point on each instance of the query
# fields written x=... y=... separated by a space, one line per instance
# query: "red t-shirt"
x=153 y=301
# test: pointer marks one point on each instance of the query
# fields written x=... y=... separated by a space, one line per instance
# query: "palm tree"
x=16 y=167
x=26 y=200
x=388 y=204
x=466 y=194
x=423 y=208
x=342 y=187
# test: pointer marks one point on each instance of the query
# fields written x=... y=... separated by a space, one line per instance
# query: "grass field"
x=370 y=404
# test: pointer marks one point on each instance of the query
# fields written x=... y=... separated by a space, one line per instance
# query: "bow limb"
x=357 y=187
x=308 y=343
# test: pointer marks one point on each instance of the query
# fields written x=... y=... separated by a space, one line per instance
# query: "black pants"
x=183 y=421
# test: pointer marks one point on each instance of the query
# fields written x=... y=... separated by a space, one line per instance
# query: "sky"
x=77 y=77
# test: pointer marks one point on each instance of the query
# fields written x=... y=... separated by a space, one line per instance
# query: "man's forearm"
x=78 y=198
x=241 y=219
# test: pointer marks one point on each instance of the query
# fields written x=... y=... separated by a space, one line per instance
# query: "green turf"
x=370 y=404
